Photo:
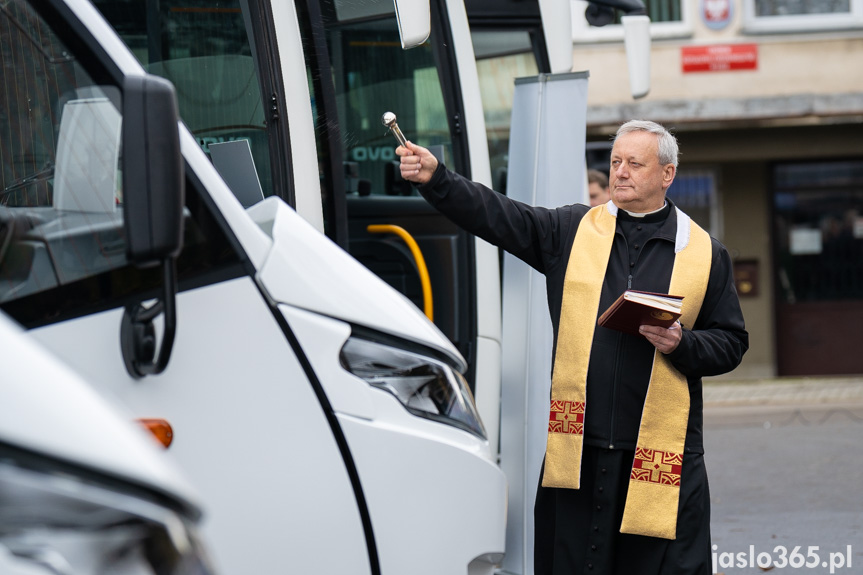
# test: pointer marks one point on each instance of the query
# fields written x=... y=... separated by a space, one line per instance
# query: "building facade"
x=766 y=99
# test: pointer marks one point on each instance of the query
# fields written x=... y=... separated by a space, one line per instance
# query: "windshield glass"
x=203 y=48
x=62 y=233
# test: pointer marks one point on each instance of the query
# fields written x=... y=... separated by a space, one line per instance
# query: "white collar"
x=683 y=225
x=637 y=215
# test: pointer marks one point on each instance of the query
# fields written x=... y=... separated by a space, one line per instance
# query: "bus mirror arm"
x=636 y=31
x=153 y=200
x=138 y=335
x=628 y=7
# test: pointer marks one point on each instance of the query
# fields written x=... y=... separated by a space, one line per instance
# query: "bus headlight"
x=426 y=387
x=59 y=520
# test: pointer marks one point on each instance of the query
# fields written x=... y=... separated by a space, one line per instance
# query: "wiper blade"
x=42 y=174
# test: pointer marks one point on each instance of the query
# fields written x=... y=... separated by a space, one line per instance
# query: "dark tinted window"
x=203 y=48
x=373 y=75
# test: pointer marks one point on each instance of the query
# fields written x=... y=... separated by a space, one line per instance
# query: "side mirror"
x=153 y=199
x=557 y=27
x=636 y=37
x=414 y=19
x=153 y=182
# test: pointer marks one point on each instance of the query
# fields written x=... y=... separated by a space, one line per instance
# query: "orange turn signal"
x=160 y=429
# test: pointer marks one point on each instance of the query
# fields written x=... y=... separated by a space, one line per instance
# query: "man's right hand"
x=417 y=163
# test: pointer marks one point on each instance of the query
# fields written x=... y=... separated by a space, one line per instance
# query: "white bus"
x=305 y=83
x=83 y=491
x=323 y=418
x=266 y=345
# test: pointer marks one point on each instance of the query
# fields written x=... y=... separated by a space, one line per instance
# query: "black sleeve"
x=527 y=232
x=718 y=340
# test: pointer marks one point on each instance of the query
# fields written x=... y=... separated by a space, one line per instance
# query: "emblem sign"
x=716 y=13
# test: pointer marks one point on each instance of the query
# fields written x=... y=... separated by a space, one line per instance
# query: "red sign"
x=719 y=57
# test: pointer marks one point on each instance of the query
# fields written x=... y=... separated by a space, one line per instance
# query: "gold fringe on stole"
x=654 y=484
x=585 y=271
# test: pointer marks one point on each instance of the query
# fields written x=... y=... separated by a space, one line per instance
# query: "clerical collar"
x=637 y=215
x=648 y=217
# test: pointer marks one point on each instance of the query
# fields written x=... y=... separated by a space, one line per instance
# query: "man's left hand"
x=664 y=339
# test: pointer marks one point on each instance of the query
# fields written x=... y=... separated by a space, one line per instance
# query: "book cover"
x=636 y=308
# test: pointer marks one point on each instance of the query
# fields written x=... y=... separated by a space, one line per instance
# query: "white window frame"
x=582 y=32
x=753 y=24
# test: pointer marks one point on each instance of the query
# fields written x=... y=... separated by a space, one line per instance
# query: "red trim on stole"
x=566 y=417
x=656 y=466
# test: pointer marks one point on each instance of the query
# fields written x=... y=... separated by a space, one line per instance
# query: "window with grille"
x=668 y=19
x=762 y=16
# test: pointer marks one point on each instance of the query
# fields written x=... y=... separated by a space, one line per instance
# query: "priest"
x=623 y=487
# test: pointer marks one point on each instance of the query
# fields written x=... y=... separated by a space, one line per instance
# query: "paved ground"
x=786 y=475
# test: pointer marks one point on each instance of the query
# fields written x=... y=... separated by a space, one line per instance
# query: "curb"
x=784 y=391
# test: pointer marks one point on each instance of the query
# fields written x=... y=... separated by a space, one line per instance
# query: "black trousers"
x=577 y=531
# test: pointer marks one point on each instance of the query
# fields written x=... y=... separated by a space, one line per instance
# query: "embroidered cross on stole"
x=654 y=485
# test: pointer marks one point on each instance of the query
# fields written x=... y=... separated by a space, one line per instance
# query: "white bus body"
x=266 y=304
x=83 y=490
x=322 y=418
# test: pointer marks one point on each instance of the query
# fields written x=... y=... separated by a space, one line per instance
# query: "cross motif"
x=576 y=420
x=566 y=417
x=656 y=467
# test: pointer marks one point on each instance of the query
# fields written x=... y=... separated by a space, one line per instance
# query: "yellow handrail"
x=418 y=257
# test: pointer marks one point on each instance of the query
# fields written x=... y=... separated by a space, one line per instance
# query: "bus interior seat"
x=88 y=153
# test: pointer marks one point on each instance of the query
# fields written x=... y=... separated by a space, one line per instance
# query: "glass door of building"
x=818 y=249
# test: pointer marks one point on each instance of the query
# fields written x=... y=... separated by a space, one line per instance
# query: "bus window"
x=203 y=48
x=501 y=57
x=61 y=215
x=373 y=75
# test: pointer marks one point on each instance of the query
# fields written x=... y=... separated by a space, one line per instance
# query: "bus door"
x=357 y=71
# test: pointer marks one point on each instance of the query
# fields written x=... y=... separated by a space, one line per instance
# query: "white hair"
x=668 y=149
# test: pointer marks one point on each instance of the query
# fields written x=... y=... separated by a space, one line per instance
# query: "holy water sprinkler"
x=389 y=120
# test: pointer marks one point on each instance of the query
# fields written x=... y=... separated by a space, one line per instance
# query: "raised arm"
x=528 y=232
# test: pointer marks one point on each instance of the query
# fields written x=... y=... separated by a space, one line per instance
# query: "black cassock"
x=578 y=530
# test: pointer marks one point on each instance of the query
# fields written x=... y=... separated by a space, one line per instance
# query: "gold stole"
x=654 y=485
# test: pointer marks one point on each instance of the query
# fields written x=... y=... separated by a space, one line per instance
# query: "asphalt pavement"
x=786 y=475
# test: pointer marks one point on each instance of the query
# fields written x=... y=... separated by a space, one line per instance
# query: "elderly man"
x=623 y=487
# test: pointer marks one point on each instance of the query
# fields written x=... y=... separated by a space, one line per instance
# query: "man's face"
x=637 y=180
x=598 y=194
